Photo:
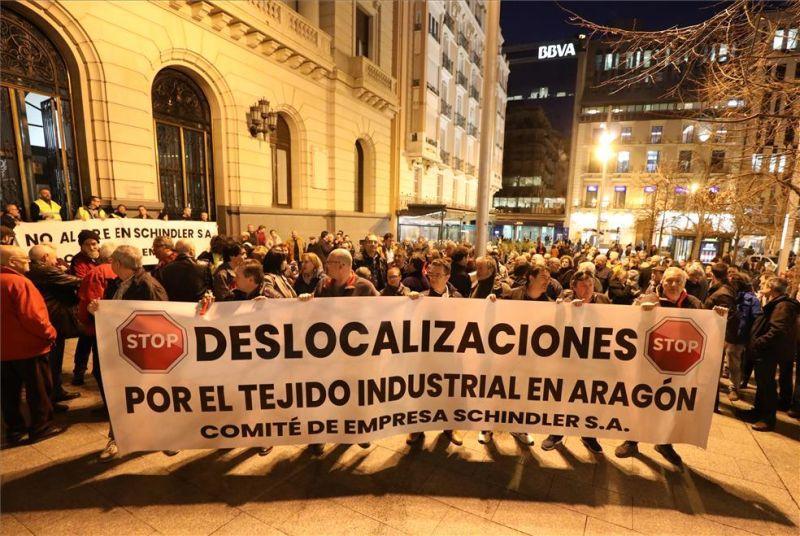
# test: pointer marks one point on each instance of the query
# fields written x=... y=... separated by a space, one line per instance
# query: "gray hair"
x=39 y=251
x=778 y=284
x=129 y=257
x=586 y=266
x=184 y=246
x=341 y=255
x=106 y=251
x=674 y=270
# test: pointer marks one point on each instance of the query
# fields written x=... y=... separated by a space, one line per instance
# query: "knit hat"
x=86 y=234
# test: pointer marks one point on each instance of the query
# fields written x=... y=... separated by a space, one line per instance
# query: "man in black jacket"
x=60 y=293
x=722 y=294
x=185 y=279
x=370 y=258
x=773 y=339
x=132 y=283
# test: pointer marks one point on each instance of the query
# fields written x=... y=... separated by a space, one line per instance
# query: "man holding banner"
x=342 y=281
x=582 y=285
x=439 y=277
x=132 y=283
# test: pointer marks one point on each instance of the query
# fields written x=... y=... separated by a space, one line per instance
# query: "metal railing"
x=461 y=80
x=446 y=109
x=472 y=130
x=461 y=121
x=447 y=63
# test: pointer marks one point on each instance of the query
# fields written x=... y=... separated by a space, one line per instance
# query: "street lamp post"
x=602 y=153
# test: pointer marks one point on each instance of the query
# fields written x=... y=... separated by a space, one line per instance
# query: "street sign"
x=152 y=341
x=675 y=345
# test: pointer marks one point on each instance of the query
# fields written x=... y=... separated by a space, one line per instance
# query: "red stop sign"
x=675 y=345
x=151 y=341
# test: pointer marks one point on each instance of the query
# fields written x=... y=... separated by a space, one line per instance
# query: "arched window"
x=282 y=165
x=183 y=144
x=359 y=178
x=36 y=126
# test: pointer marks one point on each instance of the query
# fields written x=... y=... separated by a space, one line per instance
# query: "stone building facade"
x=149 y=103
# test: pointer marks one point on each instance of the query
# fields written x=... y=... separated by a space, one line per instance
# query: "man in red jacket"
x=25 y=342
x=82 y=265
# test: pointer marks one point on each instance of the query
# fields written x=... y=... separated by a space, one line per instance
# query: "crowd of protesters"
x=46 y=301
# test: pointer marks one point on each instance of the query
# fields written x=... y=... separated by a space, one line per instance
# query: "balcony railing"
x=461 y=121
x=476 y=59
x=462 y=40
x=449 y=22
x=447 y=63
x=446 y=109
x=432 y=87
x=431 y=141
x=474 y=93
x=458 y=164
x=369 y=77
x=461 y=80
x=472 y=130
x=445 y=156
x=470 y=169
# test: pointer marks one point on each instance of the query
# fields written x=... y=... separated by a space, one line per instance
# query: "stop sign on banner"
x=152 y=341
x=675 y=345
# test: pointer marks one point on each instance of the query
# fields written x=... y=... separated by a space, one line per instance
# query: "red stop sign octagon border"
x=128 y=320
x=675 y=319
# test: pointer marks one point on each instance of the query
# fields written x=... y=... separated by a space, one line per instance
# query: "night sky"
x=525 y=21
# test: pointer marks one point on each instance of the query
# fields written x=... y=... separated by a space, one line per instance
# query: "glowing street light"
x=694 y=187
x=603 y=152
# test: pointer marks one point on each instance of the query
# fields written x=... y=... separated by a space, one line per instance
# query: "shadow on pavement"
x=290 y=474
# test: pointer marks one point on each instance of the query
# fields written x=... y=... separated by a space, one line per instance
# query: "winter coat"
x=223 y=282
x=401 y=290
x=451 y=291
x=143 y=287
x=277 y=286
x=723 y=295
x=747 y=308
x=460 y=279
x=93 y=287
x=26 y=328
x=354 y=286
x=773 y=334
x=81 y=265
x=416 y=281
x=301 y=287
x=60 y=293
x=376 y=265
x=620 y=292
x=699 y=290
x=185 y=279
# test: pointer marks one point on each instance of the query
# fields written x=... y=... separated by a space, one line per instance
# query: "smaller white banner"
x=129 y=231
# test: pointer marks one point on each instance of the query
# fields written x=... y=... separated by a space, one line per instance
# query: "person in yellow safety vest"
x=92 y=211
x=45 y=208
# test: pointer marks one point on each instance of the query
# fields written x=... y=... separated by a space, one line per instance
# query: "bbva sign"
x=556 y=51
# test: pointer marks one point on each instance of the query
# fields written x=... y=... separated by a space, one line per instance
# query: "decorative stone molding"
x=372 y=85
x=268 y=27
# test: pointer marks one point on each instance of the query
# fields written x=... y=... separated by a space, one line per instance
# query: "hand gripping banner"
x=349 y=370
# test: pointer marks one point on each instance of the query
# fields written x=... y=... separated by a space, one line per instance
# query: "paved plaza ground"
x=744 y=483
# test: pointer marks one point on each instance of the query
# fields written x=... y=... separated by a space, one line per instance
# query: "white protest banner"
x=130 y=231
x=349 y=370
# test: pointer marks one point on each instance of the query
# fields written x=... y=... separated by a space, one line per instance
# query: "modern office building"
x=539 y=128
x=441 y=68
